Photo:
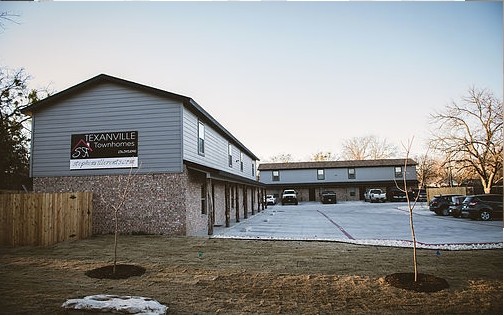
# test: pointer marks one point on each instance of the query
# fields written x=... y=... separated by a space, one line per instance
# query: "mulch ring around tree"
x=123 y=271
x=425 y=282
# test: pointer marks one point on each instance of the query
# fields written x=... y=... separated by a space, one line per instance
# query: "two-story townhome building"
x=349 y=179
x=182 y=170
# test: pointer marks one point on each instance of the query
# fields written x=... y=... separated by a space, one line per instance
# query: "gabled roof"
x=336 y=164
x=103 y=78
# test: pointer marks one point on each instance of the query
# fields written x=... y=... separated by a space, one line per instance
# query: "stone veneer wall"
x=155 y=204
x=197 y=222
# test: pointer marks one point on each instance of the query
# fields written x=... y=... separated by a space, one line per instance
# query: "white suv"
x=270 y=199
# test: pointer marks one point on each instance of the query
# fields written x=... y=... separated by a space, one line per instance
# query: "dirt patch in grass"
x=122 y=271
x=214 y=276
x=424 y=282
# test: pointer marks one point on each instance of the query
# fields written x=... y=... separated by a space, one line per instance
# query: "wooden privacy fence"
x=43 y=219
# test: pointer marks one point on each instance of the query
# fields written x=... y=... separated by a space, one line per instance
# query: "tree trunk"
x=487 y=184
x=116 y=233
x=413 y=236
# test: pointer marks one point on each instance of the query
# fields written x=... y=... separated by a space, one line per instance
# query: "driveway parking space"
x=384 y=224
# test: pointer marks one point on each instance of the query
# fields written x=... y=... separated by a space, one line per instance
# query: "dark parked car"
x=396 y=195
x=456 y=205
x=421 y=193
x=483 y=206
x=328 y=197
x=439 y=204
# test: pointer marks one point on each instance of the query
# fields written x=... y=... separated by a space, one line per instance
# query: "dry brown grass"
x=250 y=277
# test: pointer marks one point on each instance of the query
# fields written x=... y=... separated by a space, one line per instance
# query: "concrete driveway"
x=384 y=224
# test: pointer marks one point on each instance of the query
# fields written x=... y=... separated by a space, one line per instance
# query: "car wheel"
x=485 y=215
x=445 y=212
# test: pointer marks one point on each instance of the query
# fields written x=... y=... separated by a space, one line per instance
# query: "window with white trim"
x=320 y=174
x=351 y=173
x=276 y=175
x=201 y=138
x=230 y=155
x=241 y=161
x=398 y=171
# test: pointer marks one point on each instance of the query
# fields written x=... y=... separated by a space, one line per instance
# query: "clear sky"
x=283 y=77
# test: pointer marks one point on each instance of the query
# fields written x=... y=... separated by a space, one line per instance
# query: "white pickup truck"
x=289 y=196
x=375 y=195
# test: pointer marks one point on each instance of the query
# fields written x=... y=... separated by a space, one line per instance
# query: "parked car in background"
x=289 y=197
x=396 y=195
x=440 y=204
x=270 y=199
x=456 y=205
x=375 y=195
x=482 y=206
x=328 y=197
x=421 y=193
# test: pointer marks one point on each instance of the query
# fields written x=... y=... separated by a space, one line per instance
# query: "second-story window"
x=276 y=175
x=253 y=169
x=230 y=155
x=320 y=174
x=241 y=161
x=201 y=139
x=398 y=171
x=351 y=173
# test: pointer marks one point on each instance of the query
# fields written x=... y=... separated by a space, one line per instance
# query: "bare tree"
x=7 y=17
x=323 y=156
x=411 y=203
x=124 y=186
x=281 y=158
x=469 y=133
x=426 y=169
x=367 y=147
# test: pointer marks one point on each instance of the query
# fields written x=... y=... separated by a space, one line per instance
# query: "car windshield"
x=289 y=192
x=457 y=199
x=376 y=191
x=467 y=200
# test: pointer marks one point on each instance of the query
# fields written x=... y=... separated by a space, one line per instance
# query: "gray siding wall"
x=368 y=174
x=216 y=149
x=106 y=108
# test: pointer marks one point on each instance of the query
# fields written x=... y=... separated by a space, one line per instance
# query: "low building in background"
x=349 y=179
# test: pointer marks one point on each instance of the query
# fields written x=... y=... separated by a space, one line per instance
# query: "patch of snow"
x=115 y=303
x=376 y=242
